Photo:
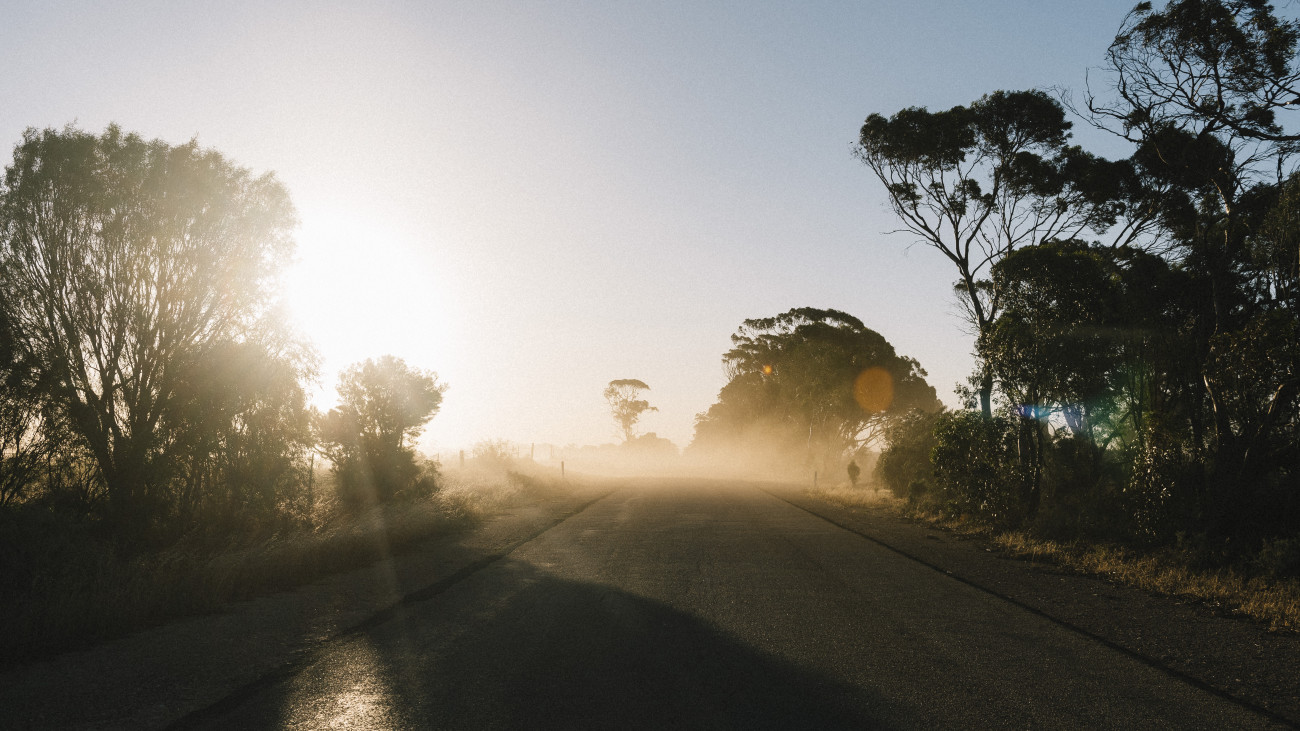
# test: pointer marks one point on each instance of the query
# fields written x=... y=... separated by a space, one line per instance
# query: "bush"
x=975 y=466
x=1165 y=491
x=1081 y=495
x=904 y=466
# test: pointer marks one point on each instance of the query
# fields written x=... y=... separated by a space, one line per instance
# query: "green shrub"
x=975 y=466
x=904 y=465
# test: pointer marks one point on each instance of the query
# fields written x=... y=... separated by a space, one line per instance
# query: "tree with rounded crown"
x=121 y=260
x=383 y=407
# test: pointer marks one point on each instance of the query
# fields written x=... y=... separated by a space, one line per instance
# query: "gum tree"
x=978 y=182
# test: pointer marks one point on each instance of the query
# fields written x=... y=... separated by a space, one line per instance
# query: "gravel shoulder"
x=152 y=678
x=1233 y=657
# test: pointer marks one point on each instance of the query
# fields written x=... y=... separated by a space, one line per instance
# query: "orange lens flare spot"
x=767 y=370
x=873 y=389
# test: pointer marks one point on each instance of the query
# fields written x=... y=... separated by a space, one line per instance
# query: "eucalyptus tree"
x=816 y=379
x=978 y=182
x=626 y=405
x=1208 y=91
x=383 y=406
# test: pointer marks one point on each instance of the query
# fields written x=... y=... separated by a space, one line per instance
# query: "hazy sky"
x=535 y=198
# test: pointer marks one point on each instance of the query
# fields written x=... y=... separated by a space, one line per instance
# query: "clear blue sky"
x=535 y=198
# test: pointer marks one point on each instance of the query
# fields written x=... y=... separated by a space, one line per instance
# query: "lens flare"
x=767 y=370
x=873 y=389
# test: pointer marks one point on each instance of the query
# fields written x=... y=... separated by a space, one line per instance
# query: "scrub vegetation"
x=1135 y=409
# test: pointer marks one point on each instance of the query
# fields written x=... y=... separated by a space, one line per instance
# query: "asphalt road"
x=712 y=606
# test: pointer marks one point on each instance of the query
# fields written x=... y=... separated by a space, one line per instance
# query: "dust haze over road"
x=707 y=604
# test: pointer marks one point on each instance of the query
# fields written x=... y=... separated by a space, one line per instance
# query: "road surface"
x=706 y=605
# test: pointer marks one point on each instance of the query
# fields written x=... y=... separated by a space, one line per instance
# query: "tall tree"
x=978 y=182
x=1207 y=90
x=121 y=258
x=626 y=405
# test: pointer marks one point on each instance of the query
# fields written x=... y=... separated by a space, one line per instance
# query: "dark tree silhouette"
x=978 y=182
x=1208 y=91
x=815 y=380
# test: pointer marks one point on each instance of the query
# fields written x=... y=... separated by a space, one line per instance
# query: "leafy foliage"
x=813 y=381
x=122 y=261
x=384 y=405
x=979 y=182
x=975 y=466
x=1153 y=390
x=904 y=464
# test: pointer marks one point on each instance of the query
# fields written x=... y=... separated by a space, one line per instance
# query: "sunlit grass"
x=860 y=496
x=1165 y=571
x=1275 y=602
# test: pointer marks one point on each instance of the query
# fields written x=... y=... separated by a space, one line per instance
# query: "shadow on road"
x=522 y=649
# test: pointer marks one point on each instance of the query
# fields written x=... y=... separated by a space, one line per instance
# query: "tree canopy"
x=383 y=406
x=818 y=382
x=121 y=260
x=978 y=182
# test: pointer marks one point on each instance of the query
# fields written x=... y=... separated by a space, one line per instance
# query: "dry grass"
x=1273 y=602
x=855 y=497
x=100 y=595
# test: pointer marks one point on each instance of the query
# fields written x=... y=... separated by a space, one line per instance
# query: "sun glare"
x=358 y=291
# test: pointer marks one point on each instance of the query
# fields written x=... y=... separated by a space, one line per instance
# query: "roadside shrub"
x=497 y=455
x=1279 y=559
x=1081 y=492
x=1165 y=491
x=975 y=466
x=904 y=465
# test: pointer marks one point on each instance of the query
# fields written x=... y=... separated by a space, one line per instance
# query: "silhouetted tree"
x=1204 y=88
x=816 y=379
x=241 y=433
x=383 y=407
x=26 y=437
x=120 y=260
x=625 y=403
x=978 y=182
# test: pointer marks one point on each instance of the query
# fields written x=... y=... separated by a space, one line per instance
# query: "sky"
x=535 y=198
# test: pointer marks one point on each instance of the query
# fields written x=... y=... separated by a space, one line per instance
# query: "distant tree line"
x=148 y=385
x=1138 y=321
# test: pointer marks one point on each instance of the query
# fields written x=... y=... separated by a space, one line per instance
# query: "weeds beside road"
x=1240 y=590
x=89 y=595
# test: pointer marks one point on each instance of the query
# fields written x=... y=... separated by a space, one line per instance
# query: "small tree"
x=383 y=407
x=626 y=405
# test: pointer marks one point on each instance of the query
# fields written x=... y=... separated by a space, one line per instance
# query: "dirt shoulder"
x=1233 y=657
x=153 y=678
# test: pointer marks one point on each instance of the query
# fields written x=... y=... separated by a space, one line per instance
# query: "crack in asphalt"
x=1140 y=657
x=244 y=692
